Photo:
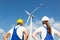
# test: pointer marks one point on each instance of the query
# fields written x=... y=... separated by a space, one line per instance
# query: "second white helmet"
x=45 y=18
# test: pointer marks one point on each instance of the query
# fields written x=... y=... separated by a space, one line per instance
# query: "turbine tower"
x=30 y=18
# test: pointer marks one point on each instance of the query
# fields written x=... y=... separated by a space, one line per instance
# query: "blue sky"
x=11 y=10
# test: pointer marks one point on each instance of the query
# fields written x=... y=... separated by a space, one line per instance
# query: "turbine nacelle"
x=31 y=15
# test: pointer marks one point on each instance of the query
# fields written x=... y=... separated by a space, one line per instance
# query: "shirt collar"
x=17 y=26
x=44 y=25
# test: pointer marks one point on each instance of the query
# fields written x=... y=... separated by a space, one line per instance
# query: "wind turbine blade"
x=35 y=10
x=27 y=12
x=27 y=20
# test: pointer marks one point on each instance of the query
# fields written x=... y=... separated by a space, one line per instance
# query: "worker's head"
x=20 y=22
x=45 y=20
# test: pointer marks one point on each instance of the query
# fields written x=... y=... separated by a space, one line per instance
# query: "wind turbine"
x=31 y=16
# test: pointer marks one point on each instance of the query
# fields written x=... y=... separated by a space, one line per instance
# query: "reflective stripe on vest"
x=15 y=36
x=48 y=36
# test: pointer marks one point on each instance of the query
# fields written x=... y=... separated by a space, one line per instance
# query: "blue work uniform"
x=15 y=36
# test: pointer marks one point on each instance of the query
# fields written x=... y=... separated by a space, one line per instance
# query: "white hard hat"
x=45 y=18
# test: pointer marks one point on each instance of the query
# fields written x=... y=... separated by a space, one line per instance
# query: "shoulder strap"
x=48 y=36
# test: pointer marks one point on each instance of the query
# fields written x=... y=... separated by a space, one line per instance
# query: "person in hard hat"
x=18 y=32
x=46 y=31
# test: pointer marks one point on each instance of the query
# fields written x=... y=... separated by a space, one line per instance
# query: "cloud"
x=2 y=31
x=41 y=4
x=51 y=21
x=55 y=24
x=37 y=24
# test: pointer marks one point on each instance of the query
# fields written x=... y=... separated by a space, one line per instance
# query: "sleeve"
x=55 y=31
x=10 y=31
x=24 y=28
x=38 y=30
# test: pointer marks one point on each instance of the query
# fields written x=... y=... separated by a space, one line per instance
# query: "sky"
x=11 y=10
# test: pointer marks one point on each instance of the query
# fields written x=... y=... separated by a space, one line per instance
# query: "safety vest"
x=15 y=36
x=48 y=36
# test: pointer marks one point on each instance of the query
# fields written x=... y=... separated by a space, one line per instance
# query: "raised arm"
x=58 y=34
x=25 y=35
x=34 y=35
x=6 y=36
